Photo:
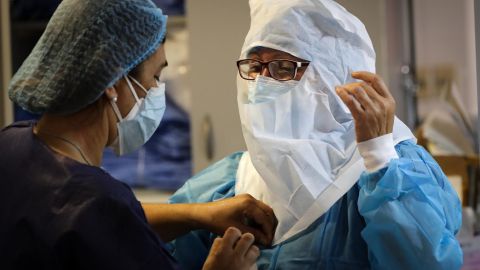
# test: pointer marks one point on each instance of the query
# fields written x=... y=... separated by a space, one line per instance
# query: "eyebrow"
x=253 y=54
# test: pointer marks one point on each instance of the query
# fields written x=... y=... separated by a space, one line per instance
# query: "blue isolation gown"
x=404 y=216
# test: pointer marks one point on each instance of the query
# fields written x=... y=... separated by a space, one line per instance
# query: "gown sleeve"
x=411 y=212
x=214 y=183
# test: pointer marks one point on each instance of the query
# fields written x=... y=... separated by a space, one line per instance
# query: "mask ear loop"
x=113 y=102
x=132 y=89
x=139 y=84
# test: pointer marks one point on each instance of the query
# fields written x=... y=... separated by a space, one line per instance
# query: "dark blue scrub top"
x=56 y=213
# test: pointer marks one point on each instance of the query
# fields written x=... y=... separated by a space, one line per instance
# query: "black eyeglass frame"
x=298 y=64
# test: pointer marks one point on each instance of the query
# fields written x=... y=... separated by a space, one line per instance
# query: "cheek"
x=147 y=80
x=151 y=84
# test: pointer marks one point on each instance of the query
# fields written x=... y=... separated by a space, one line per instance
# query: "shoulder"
x=20 y=124
x=224 y=169
x=88 y=184
x=215 y=182
x=99 y=203
x=16 y=131
x=227 y=165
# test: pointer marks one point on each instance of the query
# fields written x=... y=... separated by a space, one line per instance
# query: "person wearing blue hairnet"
x=94 y=77
x=344 y=176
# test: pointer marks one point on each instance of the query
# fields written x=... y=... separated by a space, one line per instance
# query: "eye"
x=254 y=69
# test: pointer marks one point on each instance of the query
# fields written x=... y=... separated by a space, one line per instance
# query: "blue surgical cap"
x=88 y=45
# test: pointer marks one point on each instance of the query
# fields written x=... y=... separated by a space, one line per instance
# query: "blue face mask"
x=143 y=119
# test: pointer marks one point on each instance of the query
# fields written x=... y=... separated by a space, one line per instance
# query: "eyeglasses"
x=280 y=69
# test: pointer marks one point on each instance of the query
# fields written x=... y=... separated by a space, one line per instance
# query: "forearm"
x=411 y=216
x=173 y=220
x=170 y=221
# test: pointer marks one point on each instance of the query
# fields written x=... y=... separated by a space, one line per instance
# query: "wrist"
x=198 y=216
x=378 y=152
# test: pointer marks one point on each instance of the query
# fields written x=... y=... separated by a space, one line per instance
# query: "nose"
x=265 y=71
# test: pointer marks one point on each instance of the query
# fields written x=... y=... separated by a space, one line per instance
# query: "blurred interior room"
x=428 y=52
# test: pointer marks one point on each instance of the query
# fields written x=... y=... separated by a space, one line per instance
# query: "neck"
x=80 y=136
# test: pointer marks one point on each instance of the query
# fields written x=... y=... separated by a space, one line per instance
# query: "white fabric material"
x=302 y=149
x=130 y=116
x=143 y=119
x=377 y=152
x=266 y=89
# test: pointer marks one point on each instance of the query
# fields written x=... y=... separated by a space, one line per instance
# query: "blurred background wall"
x=426 y=52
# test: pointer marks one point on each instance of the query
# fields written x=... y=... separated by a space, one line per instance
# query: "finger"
x=268 y=211
x=352 y=104
x=216 y=246
x=260 y=237
x=230 y=237
x=252 y=254
x=244 y=244
x=385 y=106
x=391 y=117
x=364 y=100
x=268 y=221
x=375 y=80
x=372 y=93
x=261 y=221
x=390 y=123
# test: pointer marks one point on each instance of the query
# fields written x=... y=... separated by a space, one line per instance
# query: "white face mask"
x=143 y=119
x=264 y=89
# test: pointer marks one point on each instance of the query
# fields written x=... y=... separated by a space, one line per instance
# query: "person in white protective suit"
x=348 y=184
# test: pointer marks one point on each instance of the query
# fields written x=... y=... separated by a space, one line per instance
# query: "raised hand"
x=371 y=104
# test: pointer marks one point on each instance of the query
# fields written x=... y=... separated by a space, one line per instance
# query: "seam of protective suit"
x=378 y=152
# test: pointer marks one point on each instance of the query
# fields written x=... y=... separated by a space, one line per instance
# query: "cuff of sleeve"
x=378 y=152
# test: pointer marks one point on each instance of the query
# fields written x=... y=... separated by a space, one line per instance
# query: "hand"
x=233 y=252
x=371 y=104
x=243 y=212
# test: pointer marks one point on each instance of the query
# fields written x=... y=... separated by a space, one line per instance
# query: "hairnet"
x=87 y=46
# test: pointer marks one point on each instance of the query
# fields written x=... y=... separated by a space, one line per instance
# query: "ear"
x=111 y=93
